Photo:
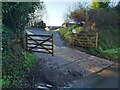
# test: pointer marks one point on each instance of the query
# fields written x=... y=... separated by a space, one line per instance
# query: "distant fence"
x=85 y=39
x=40 y=43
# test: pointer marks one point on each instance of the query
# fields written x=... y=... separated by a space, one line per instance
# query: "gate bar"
x=26 y=41
x=52 y=45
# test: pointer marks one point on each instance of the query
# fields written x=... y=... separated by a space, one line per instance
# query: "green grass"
x=108 y=42
x=67 y=31
x=0 y=83
x=63 y=30
x=20 y=71
x=30 y=60
x=5 y=81
x=113 y=53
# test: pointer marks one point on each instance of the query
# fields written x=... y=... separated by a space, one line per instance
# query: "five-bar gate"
x=85 y=39
x=40 y=43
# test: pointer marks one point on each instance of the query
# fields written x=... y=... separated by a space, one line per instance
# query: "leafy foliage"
x=29 y=61
x=97 y=5
x=109 y=17
x=105 y=20
x=108 y=47
x=16 y=63
x=16 y=14
x=41 y=25
x=112 y=53
x=67 y=31
x=79 y=15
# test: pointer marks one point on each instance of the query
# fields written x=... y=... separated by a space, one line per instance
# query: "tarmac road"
x=107 y=78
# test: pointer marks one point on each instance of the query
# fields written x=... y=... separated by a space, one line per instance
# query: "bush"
x=41 y=24
x=103 y=19
x=109 y=38
x=109 y=17
x=14 y=75
x=108 y=42
x=16 y=63
x=67 y=31
x=113 y=53
x=29 y=61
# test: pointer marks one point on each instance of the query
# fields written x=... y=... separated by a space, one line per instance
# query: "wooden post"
x=72 y=40
x=26 y=41
x=52 y=45
x=96 y=40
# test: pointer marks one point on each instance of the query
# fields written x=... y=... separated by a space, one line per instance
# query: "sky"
x=55 y=13
x=56 y=10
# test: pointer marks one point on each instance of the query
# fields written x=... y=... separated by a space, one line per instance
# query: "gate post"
x=52 y=45
x=26 y=43
x=96 y=40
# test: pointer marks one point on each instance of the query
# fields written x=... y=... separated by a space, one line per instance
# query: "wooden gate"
x=40 y=43
x=85 y=39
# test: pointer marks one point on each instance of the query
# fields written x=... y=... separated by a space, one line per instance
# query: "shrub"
x=113 y=53
x=67 y=31
x=16 y=63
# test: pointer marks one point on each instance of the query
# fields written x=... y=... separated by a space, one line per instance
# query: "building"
x=68 y=23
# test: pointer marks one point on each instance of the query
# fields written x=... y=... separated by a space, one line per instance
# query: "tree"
x=78 y=12
x=16 y=14
x=41 y=24
x=79 y=15
x=117 y=7
x=96 y=4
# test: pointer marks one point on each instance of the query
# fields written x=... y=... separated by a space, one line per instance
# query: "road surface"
x=72 y=69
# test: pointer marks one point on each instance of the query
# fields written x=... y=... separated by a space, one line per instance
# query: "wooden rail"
x=85 y=40
x=43 y=43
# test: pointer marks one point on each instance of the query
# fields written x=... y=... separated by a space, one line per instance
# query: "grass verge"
x=108 y=44
x=67 y=31
x=113 y=53
x=17 y=77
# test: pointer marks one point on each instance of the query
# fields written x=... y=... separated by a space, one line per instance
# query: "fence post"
x=96 y=40
x=52 y=45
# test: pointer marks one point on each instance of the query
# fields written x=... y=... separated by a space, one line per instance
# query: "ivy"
x=16 y=63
